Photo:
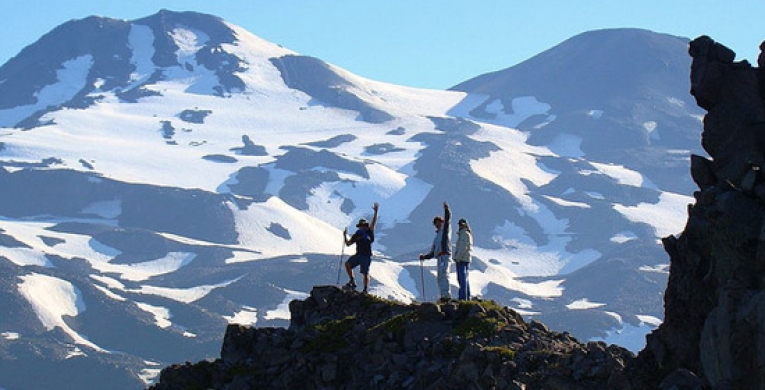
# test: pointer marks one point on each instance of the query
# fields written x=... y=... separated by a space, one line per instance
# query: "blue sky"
x=421 y=43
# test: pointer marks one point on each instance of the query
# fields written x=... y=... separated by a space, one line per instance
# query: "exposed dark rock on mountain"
x=353 y=341
x=714 y=324
x=249 y=148
x=314 y=77
x=147 y=207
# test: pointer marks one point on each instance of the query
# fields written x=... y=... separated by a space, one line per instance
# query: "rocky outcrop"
x=713 y=335
x=347 y=340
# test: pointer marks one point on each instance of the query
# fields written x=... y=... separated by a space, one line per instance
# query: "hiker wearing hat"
x=363 y=238
x=442 y=251
x=462 y=254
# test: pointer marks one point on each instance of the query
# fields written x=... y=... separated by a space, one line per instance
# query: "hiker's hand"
x=422 y=257
x=375 y=206
x=345 y=232
x=446 y=205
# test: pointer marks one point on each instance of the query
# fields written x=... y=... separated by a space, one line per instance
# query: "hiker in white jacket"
x=462 y=255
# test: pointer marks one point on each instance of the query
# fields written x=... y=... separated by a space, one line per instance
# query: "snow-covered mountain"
x=164 y=176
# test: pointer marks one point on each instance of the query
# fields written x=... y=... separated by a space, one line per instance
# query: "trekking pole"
x=422 y=280
x=340 y=265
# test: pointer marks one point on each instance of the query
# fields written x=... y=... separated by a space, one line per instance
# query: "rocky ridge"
x=348 y=340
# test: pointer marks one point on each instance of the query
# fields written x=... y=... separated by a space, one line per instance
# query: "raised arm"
x=447 y=214
x=372 y=224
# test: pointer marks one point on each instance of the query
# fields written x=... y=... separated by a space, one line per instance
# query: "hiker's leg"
x=461 y=280
x=364 y=269
x=443 y=276
x=467 y=281
x=352 y=262
x=349 y=269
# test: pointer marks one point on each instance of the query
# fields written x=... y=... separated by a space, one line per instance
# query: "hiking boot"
x=350 y=286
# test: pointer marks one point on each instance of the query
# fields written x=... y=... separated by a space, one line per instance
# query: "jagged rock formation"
x=341 y=340
x=713 y=335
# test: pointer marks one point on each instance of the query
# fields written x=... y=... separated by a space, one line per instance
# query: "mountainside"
x=163 y=177
x=634 y=82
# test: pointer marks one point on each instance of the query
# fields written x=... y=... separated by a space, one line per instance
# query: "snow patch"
x=584 y=304
x=109 y=293
x=667 y=217
x=161 y=314
x=659 y=268
x=650 y=320
x=518 y=160
x=623 y=237
x=307 y=234
x=184 y=295
x=522 y=108
x=74 y=351
x=71 y=79
x=247 y=316
x=567 y=203
x=141 y=41
x=621 y=174
x=520 y=253
x=392 y=281
x=137 y=272
x=189 y=41
x=282 y=311
x=150 y=373
x=10 y=335
x=630 y=336
x=675 y=101
x=52 y=299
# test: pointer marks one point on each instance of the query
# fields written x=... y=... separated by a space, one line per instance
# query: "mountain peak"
x=83 y=57
x=591 y=69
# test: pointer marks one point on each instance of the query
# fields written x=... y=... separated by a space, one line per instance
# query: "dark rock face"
x=318 y=80
x=351 y=341
x=249 y=148
x=713 y=335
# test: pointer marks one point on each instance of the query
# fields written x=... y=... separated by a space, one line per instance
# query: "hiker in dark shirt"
x=363 y=238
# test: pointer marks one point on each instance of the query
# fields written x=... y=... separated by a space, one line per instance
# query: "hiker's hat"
x=437 y=218
x=462 y=221
x=362 y=222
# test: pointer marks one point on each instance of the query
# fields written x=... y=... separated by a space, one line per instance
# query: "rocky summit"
x=712 y=337
x=348 y=340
